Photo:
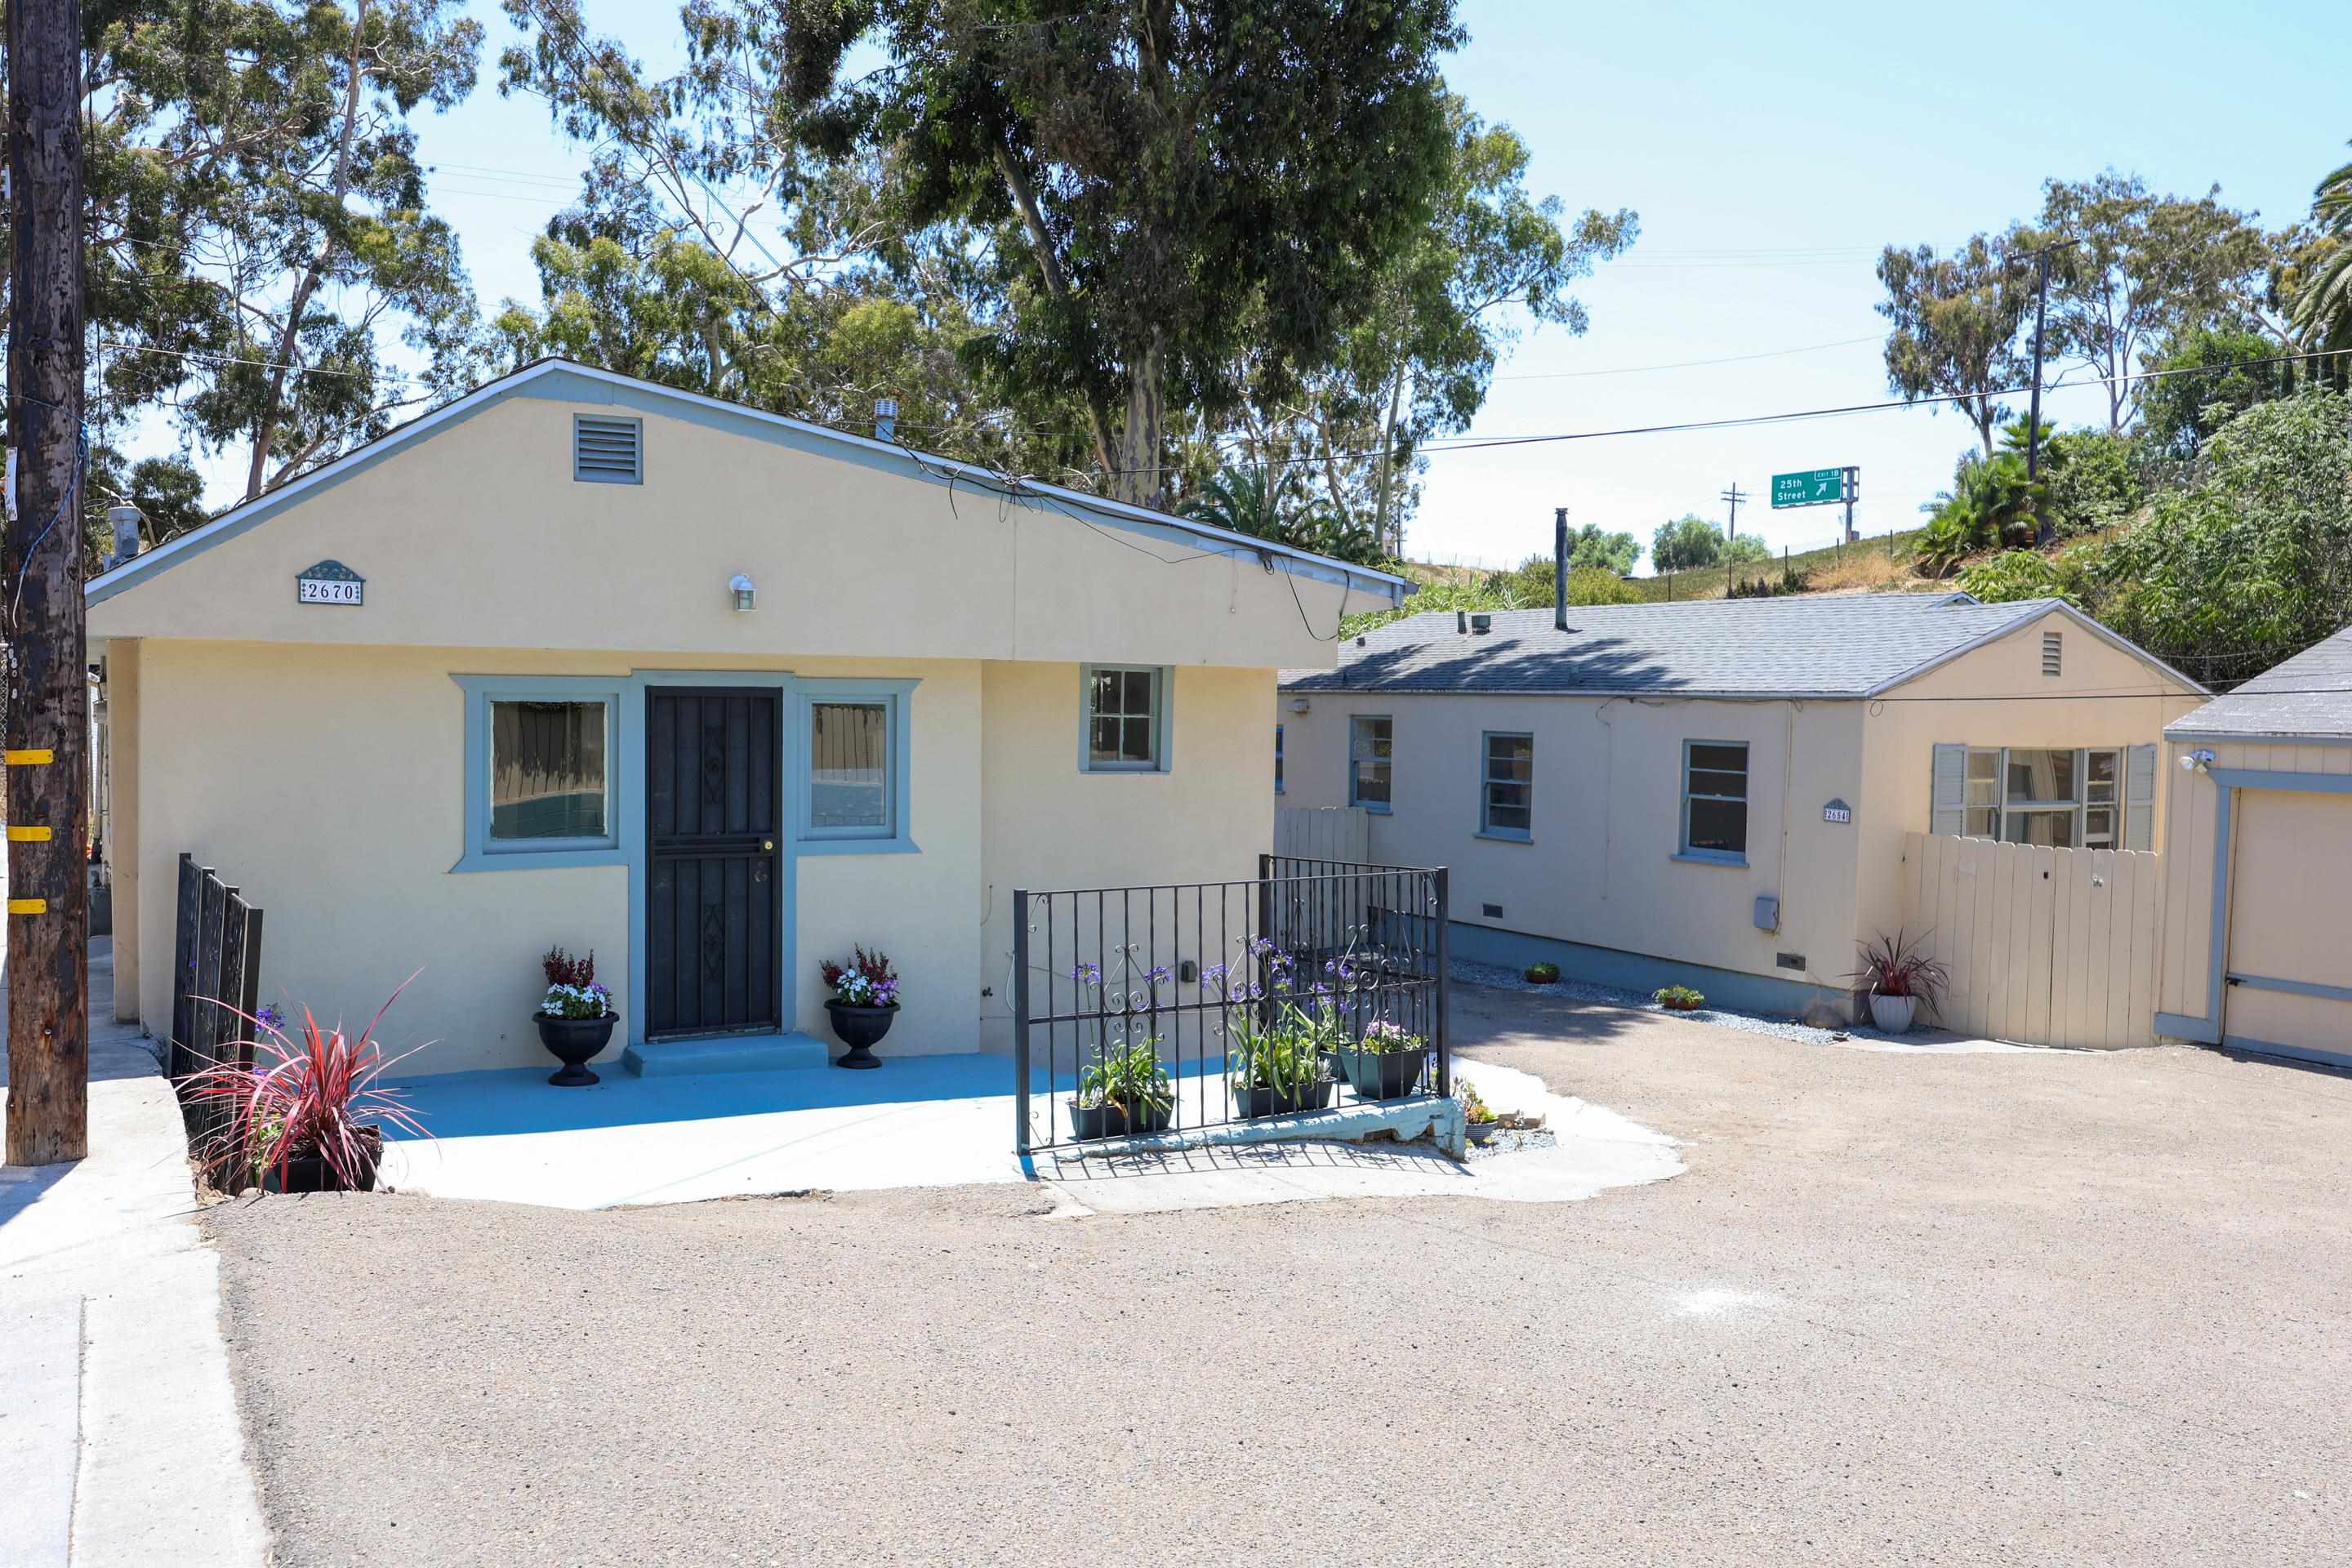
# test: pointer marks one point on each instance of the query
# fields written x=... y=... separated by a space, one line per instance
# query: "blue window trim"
x=1487 y=739
x=483 y=853
x=893 y=838
x=1683 y=850
x=625 y=775
x=1163 y=687
x=1382 y=807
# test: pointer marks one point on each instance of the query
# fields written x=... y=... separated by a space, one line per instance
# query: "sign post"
x=1821 y=486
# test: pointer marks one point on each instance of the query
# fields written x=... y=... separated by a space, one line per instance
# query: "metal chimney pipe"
x=124 y=521
x=1559 y=570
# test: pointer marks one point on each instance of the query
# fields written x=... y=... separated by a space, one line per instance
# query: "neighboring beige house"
x=584 y=660
x=2261 y=852
x=1716 y=793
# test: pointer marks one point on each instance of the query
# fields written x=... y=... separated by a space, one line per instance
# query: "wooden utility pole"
x=40 y=575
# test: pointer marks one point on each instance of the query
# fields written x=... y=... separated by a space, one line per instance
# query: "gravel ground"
x=1904 y=1309
x=1502 y=979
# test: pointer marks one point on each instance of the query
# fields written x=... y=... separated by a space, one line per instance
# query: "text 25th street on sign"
x=1814 y=487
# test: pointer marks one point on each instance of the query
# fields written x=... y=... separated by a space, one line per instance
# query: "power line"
x=1691 y=363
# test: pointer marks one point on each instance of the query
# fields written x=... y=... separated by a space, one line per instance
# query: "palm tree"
x=2322 y=306
x=1240 y=501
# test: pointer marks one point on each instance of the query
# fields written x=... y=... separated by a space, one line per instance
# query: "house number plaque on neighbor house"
x=330 y=583
x=1837 y=811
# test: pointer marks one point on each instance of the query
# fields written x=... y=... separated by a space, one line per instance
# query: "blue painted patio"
x=917 y=1122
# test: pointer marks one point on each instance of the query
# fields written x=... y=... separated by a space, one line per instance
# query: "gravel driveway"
x=1903 y=1309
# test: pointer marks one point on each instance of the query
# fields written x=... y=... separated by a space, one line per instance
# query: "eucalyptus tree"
x=1163 y=190
x=2137 y=268
x=1956 y=318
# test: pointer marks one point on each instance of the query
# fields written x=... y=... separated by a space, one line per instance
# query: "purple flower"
x=1087 y=975
x=1161 y=976
x=270 y=1017
x=1214 y=973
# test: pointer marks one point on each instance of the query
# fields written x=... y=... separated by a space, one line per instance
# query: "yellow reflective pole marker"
x=28 y=906
x=29 y=757
x=29 y=836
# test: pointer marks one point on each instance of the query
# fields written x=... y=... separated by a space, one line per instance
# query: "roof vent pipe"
x=1481 y=625
x=1461 y=622
x=124 y=521
x=1560 y=569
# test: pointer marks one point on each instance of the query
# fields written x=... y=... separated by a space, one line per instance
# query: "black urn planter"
x=861 y=1029
x=1385 y=1075
x=307 y=1169
x=1290 y=1100
x=574 y=1042
x=1089 y=1123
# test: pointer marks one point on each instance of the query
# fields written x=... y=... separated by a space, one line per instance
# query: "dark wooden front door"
x=714 y=809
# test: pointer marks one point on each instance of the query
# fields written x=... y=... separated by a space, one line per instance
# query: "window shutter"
x=607 y=451
x=2139 y=798
x=1949 y=816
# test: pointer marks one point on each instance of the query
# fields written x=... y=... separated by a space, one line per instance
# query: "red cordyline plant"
x=317 y=1094
x=1898 y=966
x=865 y=981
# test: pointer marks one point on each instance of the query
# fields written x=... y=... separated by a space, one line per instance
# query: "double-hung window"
x=1507 y=784
x=1715 y=800
x=2098 y=797
x=1124 y=722
x=1371 y=738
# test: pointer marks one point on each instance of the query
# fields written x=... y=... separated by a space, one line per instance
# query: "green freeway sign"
x=1815 y=486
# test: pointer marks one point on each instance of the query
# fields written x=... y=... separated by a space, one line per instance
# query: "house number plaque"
x=330 y=583
x=1837 y=811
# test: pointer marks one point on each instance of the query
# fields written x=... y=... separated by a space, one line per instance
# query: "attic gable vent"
x=2053 y=649
x=607 y=451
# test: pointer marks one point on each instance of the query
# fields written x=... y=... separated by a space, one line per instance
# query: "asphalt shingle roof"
x=2310 y=694
x=1811 y=645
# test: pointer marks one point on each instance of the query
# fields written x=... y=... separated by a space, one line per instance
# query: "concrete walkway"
x=118 y=1434
x=937 y=1121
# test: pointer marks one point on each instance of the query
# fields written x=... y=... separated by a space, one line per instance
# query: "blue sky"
x=1770 y=152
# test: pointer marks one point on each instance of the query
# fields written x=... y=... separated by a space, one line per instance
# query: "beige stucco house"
x=1716 y=793
x=582 y=660
x=2260 y=843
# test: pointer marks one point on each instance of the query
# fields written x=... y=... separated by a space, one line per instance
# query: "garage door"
x=2290 y=967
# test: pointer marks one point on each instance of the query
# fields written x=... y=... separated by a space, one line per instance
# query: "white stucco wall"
x=328 y=784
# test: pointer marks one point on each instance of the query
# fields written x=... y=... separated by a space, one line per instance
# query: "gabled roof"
x=1808 y=646
x=1098 y=511
x=2308 y=697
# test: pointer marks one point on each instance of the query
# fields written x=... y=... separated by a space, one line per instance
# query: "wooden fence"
x=1342 y=833
x=2046 y=947
x=215 y=975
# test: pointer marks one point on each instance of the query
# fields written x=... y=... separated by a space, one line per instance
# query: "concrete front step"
x=729 y=1053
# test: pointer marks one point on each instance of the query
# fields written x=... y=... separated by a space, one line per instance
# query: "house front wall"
x=1601 y=867
x=328 y=783
x=1997 y=695
x=476 y=534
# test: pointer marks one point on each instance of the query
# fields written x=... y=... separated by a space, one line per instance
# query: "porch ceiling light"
x=740 y=586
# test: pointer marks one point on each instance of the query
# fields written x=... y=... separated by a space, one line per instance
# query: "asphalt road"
x=1902 y=1309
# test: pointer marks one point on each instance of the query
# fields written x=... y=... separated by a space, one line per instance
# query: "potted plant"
x=1478 y=1118
x=864 y=999
x=575 y=1017
x=1275 y=1071
x=1122 y=1093
x=1545 y=973
x=1678 y=999
x=308 y=1115
x=1387 y=1063
x=1899 y=975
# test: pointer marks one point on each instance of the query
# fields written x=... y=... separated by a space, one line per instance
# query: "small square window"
x=849 y=768
x=548 y=777
x=1126 y=718
x=1715 y=800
